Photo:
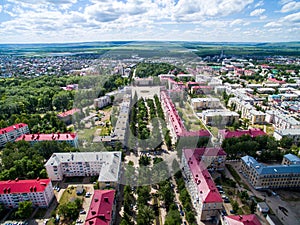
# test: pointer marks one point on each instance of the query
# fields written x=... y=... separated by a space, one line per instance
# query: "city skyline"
x=50 y=21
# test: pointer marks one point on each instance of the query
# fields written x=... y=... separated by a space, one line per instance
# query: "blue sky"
x=40 y=21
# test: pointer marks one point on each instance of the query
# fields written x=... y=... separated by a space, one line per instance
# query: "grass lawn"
x=87 y=134
x=69 y=195
x=105 y=131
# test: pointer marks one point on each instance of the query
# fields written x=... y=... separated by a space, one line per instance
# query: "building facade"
x=261 y=176
x=11 y=133
x=205 y=103
x=205 y=197
x=106 y=165
x=219 y=117
x=290 y=133
x=39 y=192
x=102 y=102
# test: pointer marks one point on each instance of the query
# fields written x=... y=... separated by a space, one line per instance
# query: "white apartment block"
x=219 y=117
x=205 y=103
x=11 y=133
x=290 y=133
x=39 y=192
x=105 y=164
x=102 y=102
x=247 y=111
x=281 y=121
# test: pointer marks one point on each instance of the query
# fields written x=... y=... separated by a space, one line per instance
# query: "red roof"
x=68 y=113
x=12 y=128
x=198 y=133
x=242 y=220
x=47 y=137
x=277 y=81
x=206 y=151
x=176 y=121
x=100 y=211
x=23 y=186
x=207 y=190
x=254 y=132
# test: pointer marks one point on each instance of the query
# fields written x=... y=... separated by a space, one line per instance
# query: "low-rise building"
x=205 y=103
x=262 y=176
x=102 y=102
x=11 y=133
x=66 y=117
x=219 y=117
x=290 y=159
x=39 y=192
x=106 y=165
x=253 y=132
x=102 y=208
x=205 y=197
x=70 y=138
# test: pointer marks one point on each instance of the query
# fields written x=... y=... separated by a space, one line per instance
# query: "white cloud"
x=191 y=10
x=262 y=17
x=1 y=8
x=259 y=4
x=273 y=24
x=291 y=6
x=257 y=12
x=236 y=22
x=292 y=18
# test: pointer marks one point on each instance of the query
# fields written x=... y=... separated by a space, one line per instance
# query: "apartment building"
x=177 y=127
x=253 y=132
x=66 y=117
x=70 y=138
x=106 y=165
x=263 y=176
x=11 y=133
x=247 y=110
x=102 y=102
x=290 y=159
x=219 y=117
x=205 y=103
x=39 y=192
x=281 y=121
x=205 y=197
x=290 y=133
x=102 y=208
x=251 y=219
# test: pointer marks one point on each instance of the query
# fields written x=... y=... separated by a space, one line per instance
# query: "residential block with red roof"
x=205 y=197
x=178 y=129
x=39 y=192
x=252 y=132
x=67 y=116
x=11 y=133
x=70 y=138
x=241 y=220
x=102 y=208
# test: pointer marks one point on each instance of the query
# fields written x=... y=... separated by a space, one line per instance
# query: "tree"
x=145 y=215
x=24 y=210
x=173 y=218
x=70 y=210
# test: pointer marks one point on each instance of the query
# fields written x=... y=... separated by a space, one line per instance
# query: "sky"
x=52 y=21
